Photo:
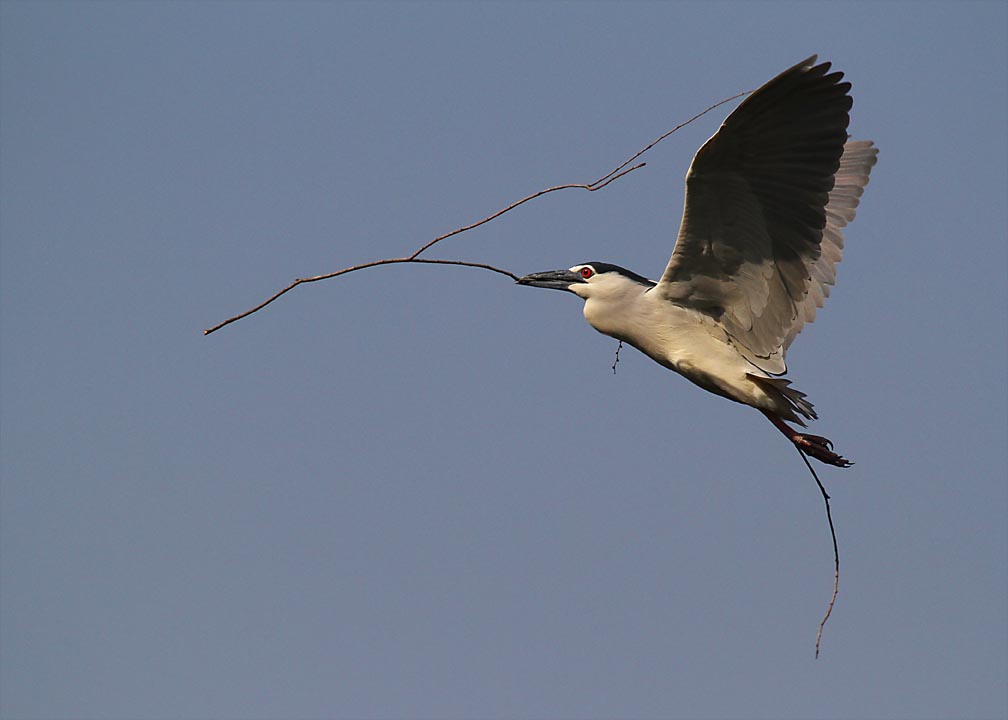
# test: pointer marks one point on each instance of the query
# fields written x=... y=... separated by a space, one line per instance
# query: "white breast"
x=684 y=340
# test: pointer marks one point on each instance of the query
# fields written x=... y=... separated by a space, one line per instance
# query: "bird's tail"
x=792 y=401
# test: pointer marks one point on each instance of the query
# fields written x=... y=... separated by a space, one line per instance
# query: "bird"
x=767 y=199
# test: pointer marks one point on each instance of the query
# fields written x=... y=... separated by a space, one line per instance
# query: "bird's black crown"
x=601 y=267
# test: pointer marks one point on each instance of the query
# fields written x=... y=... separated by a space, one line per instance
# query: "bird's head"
x=591 y=280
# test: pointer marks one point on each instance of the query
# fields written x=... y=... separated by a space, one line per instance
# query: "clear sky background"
x=421 y=492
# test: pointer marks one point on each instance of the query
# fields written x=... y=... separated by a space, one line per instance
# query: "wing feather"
x=766 y=199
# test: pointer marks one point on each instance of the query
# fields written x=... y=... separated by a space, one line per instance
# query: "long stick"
x=623 y=169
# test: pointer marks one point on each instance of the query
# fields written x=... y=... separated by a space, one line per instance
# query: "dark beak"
x=554 y=279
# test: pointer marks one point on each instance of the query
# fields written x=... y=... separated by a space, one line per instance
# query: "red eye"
x=587 y=272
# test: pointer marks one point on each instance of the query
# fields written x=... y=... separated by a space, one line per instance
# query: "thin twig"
x=602 y=182
x=590 y=187
x=616 y=361
x=836 y=552
x=344 y=271
x=677 y=127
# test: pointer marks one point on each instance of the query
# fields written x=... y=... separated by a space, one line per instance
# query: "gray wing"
x=766 y=199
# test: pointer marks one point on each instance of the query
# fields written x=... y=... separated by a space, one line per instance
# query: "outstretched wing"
x=766 y=199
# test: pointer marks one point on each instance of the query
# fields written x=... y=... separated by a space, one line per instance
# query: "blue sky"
x=422 y=492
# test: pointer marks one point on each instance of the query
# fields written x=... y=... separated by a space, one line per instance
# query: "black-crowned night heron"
x=766 y=199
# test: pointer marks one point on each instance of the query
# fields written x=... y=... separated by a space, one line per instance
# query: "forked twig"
x=836 y=552
x=591 y=187
x=621 y=170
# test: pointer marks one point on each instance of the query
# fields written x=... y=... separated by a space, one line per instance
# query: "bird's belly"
x=698 y=356
x=675 y=337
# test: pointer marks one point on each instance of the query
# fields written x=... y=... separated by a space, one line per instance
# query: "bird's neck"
x=619 y=312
